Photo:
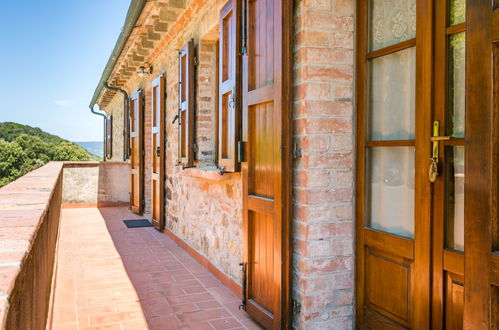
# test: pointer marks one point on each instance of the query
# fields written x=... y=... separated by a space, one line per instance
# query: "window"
x=228 y=89
x=186 y=105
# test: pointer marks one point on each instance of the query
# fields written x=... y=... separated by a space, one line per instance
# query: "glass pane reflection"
x=391 y=90
x=390 y=190
x=455 y=197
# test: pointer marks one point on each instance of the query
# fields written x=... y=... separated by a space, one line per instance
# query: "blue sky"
x=52 y=54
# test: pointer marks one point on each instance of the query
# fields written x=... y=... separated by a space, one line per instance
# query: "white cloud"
x=64 y=103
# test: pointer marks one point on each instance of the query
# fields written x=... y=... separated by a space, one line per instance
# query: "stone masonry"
x=203 y=208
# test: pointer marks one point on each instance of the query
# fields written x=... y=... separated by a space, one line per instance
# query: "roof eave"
x=132 y=16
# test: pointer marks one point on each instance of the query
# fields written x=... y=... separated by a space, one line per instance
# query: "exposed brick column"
x=324 y=181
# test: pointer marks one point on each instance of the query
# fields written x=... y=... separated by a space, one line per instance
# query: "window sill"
x=210 y=173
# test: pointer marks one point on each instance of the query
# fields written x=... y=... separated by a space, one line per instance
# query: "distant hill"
x=24 y=148
x=94 y=147
x=10 y=131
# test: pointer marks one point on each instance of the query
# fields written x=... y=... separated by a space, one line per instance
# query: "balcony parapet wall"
x=29 y=223
x=95 y=184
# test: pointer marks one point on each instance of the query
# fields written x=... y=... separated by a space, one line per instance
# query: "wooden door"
x=158 y=152
x=449 y=111
x=266 y=169
x=137 y=152
x=481 y=227
x=394 y=102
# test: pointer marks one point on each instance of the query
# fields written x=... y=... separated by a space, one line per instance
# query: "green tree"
x=26 y=153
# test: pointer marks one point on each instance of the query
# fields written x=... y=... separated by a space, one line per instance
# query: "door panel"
x=393 y=131
x=136 y=146
x=388 y=285
x=158 y=151
x=481 y=226
x=267 y=167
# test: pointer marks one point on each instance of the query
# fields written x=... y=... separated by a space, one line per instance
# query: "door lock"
x=435 y=139
x=158 y=151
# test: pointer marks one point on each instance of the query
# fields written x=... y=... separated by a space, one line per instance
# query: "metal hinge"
x=196 y=62
x=244 y=297
x=241 y=151
x=296 y=151
x=296 y=307
x=195 y=147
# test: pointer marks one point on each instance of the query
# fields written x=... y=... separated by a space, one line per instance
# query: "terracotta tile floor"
x=111 y=277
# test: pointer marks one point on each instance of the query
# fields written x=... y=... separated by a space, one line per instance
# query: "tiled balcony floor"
x=111 y=277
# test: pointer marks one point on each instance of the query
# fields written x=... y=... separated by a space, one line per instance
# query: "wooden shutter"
x=186 y=105
x=109 y=137
x=266 y=170
x=126 y=130
x=137 y=152
x=158 y=151
x=228 y=98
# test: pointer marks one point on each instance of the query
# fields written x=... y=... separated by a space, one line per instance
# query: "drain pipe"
x=126 y=151
x=104 y=125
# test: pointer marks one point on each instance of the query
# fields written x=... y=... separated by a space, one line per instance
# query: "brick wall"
x=204 y=208
x=323 y=181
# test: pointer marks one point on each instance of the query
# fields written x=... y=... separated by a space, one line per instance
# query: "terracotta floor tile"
x=229 y=323
x=112 y=277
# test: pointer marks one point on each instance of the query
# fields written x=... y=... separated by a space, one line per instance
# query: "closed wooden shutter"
x=137 y=152
x=109 y=137
x=158 y=151
x=126 y=130
x=186 y=105
x=229 y=88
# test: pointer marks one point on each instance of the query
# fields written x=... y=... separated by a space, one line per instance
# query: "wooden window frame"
x=108 y=137
x=186 y=108
x=229 y=87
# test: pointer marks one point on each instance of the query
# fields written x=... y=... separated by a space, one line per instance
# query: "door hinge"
x=296 y=307
x=296 y=151
x=241 y=151
x=243 y=300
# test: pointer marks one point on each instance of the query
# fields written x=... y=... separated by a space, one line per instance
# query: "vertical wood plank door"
x=481 y=227
x=137 y=154
x=393 y=199
x=266 y=170
x=158 y=152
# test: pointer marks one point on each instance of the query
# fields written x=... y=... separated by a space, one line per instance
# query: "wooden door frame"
x=139 y=96
x=422 y=217
x=160 y=83
x=284 y=88
x=481 y=165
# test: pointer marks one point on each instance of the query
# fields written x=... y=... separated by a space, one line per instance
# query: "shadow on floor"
x=173 y=288
x=135 y=279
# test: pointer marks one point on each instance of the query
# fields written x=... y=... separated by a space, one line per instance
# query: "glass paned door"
x=393 y=208
x=448 y=193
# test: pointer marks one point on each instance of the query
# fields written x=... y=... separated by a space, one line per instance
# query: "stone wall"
x=323 y=180
x=93 y=183
x=203 y=207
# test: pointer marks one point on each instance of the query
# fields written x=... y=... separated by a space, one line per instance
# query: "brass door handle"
x=435 y=139
x=439 y=138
